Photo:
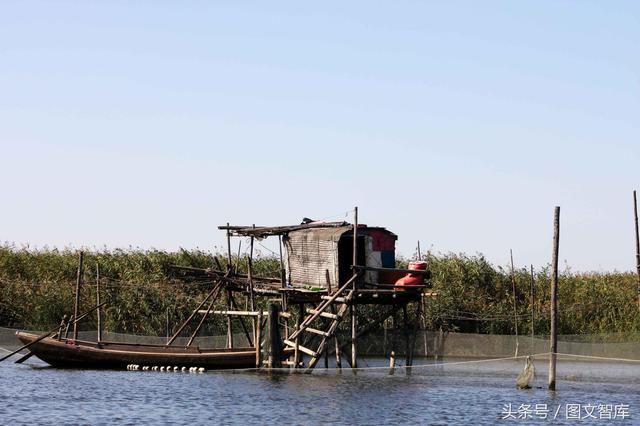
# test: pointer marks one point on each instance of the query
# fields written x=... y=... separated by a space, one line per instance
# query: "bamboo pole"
x=76 y=305
x=283 y=276
x=635 y=215
x=98 y=312
x=250 y=279
x=242 y=324
x=204 y=316
x=533 y=308
x=353 y=309
x=184 y=324
x=515 y=308
x=229 y=260
x=296 y=354
x=554 y=299
x=237 y=267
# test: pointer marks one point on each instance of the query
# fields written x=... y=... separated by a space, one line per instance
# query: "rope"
x=600 y=357
x=443 y=364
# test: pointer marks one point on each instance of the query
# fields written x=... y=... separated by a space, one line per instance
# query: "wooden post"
x=229 y=260
x=533 y=309
x=554 y=299
x=407 y=339
x=515 y=309
x=296 y=354
x=258 y=340
x=237 y=267
x=168 y=332
x=229 y=325
x=353 y=310
x=338 y=356
x=275 y=354
x=283 y=275
x=77 y=299
x=250 y=279
x=98 y=313
x=635 y=215
x=423 y=317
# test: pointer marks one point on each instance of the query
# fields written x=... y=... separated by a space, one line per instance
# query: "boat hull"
x=67 y=353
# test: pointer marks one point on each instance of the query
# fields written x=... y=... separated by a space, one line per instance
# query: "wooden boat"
x=68 y=353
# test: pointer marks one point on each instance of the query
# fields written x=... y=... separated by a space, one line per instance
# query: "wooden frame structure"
x=303 y=323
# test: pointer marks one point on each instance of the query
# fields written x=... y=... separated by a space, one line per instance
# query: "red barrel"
x=412 y=279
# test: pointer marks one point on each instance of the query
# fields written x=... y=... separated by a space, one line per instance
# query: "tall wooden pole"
x=635 y=215
x=354 y=314
x=515 y=307
x=250 y=279
x=77 y=299
x=554 y=299
x=229 y=260
x=533 y=309
x=98 y=302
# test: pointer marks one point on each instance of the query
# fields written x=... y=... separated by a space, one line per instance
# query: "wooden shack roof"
x=266 y=231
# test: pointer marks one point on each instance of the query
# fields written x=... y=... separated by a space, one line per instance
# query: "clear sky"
x=459 y=124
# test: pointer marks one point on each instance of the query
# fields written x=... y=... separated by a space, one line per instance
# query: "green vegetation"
x=37 y=286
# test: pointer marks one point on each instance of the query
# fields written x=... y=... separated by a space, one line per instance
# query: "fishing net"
x=581 y=358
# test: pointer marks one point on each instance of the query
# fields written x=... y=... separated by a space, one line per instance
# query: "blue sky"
x=461 y=124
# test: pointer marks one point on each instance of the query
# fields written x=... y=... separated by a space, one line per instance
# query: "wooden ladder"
x=328 y=333
x=341 y=296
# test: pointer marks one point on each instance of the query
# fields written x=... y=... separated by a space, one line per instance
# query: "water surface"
x=475 y=393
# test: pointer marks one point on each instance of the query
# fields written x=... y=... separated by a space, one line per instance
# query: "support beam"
x=275 y=353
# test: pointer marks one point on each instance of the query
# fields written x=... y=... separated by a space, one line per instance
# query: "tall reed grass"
x=143 y=291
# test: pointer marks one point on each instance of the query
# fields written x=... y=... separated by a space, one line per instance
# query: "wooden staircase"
x=326 y=309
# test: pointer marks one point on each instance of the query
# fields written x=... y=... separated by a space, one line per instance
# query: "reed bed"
x=144 y=294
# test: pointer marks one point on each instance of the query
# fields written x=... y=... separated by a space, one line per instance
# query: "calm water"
x=459 y=394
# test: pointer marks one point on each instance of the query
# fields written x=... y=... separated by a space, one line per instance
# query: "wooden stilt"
x=254 y=323
x=258 y=340
x=229 y=322
x=275 y=353
x=296 y=354
x=407 y=336
x=423 y=319
x=554 y=299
